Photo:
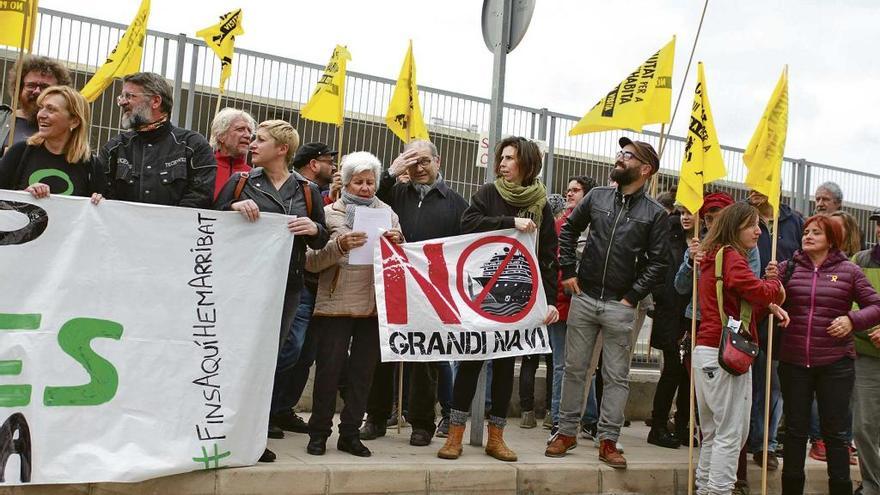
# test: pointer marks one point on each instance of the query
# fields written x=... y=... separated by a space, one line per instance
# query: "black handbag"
x=738 y=350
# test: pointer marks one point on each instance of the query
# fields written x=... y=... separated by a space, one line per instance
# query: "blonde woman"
x=57 y=159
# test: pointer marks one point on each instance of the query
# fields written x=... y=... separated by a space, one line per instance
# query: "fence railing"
x=268 y=86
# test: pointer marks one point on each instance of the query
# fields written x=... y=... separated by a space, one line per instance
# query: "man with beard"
x=37 y=74
x=154 y=161
x=317 y=163
x=231 y=133
x=428 y=209
x=624 y=259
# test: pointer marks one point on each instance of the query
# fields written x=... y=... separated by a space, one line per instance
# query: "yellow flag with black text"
x=125 y=59
x=763 y=155
x=18 y=20
x=644 y=97
x=404 y=116
x=221 y=38
x=702 y=162
x=328 y=101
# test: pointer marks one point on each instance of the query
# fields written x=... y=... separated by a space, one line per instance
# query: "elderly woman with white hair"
x=231 y=134
x=345 y=310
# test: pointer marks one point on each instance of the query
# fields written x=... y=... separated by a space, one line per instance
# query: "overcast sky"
x=576 y=50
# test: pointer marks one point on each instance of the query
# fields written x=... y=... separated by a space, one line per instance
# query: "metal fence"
x=268 y=87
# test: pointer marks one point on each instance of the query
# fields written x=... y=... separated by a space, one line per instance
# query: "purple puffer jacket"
x=815 y=297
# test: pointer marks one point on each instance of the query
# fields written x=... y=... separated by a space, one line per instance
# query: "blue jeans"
x=286 y=394
x=759 y=382
x=557 y=343
x=445 y=379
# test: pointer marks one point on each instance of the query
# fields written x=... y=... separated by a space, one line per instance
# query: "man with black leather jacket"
x=154 y=161
x=624 y=260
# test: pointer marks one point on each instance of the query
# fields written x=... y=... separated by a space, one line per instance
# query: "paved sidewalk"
x=397 y=467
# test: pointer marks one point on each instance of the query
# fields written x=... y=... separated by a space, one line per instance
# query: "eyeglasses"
x=330 y=160
x=33 y=86
x=574 y=190
x=626 y=155
x=129 y=96
x=424 y=162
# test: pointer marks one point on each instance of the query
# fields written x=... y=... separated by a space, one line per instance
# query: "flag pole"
x=686 y=71
x=400 y=370
x=25 y=31
x=691 y=392
x=655 y=180
x=769 y=370
x=219 y=99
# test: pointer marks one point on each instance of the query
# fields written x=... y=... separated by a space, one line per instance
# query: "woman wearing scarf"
x=515 y=200
x=345 y=311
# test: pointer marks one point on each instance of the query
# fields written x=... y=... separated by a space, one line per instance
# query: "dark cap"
x=310 y=151
x=875 y=216
x=644 y=152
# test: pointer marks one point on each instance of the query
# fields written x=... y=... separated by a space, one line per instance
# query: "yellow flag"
x=702 y=161
x=221 y=38
x=328 y=100
x=18 y=20
x=644 y=97
x=763 y=155
x=125 y=59
x=404 y=116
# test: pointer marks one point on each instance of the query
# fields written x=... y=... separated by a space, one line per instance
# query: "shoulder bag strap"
x=745 y=308
x=239 y=186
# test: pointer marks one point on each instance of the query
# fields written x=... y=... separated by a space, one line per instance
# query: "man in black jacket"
x=428 y=209
x=624 y=259
x=154 y=161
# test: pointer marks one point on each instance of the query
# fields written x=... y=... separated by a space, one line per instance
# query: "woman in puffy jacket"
x=723 y=399
x=817 y=352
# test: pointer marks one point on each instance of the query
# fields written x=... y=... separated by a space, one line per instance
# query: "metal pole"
x=478 y=409
x=191 y=94
x=178 y=78
x=548 y=160
x=499 y=67
x=542 y=124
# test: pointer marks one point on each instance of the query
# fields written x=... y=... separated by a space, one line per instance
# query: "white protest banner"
x=475 y=296
x=136 y=341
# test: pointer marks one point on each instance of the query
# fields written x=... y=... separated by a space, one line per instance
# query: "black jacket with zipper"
x=437 y=215
x=288 y=202
x=626 y=255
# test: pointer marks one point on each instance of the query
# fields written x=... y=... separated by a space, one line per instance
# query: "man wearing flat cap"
x=624 y=259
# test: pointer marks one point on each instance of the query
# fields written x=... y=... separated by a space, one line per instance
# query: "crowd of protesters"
x=607 y=256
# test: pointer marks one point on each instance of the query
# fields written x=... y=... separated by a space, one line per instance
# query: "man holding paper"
x=345 y=307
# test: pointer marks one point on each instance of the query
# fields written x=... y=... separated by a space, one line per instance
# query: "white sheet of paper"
x=372 y=221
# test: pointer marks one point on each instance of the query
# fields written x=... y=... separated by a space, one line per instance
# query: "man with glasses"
x=624 y=259
x=154 y=161
x=317 y=163
x=428 y=209
x=37 y=74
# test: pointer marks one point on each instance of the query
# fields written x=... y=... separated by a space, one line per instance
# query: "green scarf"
x=529 y=199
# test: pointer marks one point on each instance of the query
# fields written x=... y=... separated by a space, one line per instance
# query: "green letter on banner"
x=16 y=395
x=74 y=338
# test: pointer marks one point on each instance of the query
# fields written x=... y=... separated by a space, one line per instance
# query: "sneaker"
x=392 y=420
x=553 y=431
x=817 y=450
x=661 y=437
x=609 y=454
x=548 y=421
x=528 y=420
x=289 y=421
x=772 y=460
x=588 y=431
x=442 y=428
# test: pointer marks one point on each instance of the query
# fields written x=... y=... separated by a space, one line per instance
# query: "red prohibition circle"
x=516 y=246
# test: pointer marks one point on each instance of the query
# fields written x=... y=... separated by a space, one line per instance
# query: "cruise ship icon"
x=513 y=288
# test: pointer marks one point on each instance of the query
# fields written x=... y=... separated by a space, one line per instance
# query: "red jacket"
x=563 y=300
x=739 y=283
x=815 y=297
x=226 y=167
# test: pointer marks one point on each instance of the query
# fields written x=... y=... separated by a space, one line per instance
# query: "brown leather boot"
x=560 y=445
x=496 y=447
x=609 y=455
x=452 y=448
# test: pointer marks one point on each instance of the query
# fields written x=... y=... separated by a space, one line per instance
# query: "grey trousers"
x=595 y=325
x=866 y=428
